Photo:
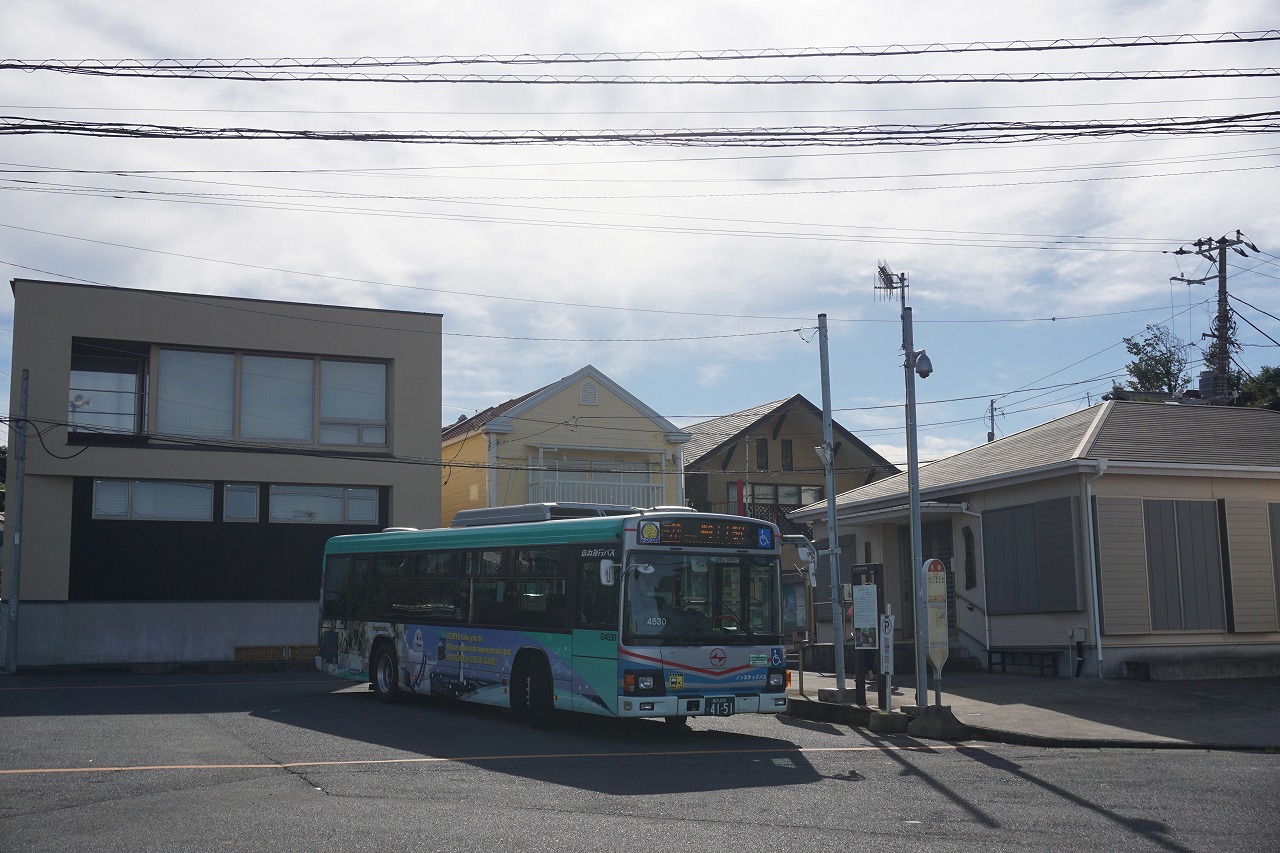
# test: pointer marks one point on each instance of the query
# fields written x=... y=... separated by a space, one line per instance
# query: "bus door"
x=597 y=576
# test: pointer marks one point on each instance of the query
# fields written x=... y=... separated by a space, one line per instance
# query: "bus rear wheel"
x=384 y=674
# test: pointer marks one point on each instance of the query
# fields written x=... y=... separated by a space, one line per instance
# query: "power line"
x=165 y=67
x=857 y=136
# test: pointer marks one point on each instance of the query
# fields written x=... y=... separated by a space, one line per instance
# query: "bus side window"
x=337 y=592
x=597 y=604
x=359 y=608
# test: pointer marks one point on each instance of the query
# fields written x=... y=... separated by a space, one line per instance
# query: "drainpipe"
x=491 y=477
x=679 y=454
x=986 y=611
x=1093 y=558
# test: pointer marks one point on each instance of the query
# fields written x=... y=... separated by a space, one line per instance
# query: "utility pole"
x=827 y=454
x=15 y=521
x=991 y=421
x=915 y=362
x=1215 y=251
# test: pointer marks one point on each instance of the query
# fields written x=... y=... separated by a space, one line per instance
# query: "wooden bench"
x=1044 y=659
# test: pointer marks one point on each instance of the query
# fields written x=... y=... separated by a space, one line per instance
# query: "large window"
x=276 y=398
x=324 y=504
x=152 y=500
x=107 y=388
x=353 y=402
x=272 y=398
x=196 y=393
x=777 y=494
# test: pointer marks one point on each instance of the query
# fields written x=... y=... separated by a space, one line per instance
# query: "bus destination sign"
x=714 y=532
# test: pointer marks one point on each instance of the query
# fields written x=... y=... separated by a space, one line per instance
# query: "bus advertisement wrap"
x=658 y=614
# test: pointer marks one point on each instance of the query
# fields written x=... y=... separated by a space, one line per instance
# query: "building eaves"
x=479 y=419
x=1149 y=436
x=498 y=418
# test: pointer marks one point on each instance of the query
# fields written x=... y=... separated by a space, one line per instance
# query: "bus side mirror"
x=607 y=572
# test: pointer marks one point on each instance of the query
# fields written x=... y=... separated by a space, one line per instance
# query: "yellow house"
x=582 y=439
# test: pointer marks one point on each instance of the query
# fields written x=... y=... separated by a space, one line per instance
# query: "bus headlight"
x=776 y=679
x=642 y=682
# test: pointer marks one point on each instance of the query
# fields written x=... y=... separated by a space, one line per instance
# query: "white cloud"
x=727 y=241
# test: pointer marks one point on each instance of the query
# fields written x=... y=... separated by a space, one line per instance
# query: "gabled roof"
x=718 y=434
x=498 y=418
x=466 y=425
x=1159 y=435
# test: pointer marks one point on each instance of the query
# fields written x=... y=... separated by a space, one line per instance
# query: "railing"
x=629 y=494
x=777 y=513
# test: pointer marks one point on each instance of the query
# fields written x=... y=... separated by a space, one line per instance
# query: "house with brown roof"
x=1119 y=538
x=762 y=461
x=581 y=439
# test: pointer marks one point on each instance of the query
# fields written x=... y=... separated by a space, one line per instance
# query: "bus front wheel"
x=384 y=674
x=541 y=704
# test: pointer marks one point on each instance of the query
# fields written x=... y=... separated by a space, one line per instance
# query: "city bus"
x=666 y=613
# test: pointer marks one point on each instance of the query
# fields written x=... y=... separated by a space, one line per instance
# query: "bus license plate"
x=720 y=706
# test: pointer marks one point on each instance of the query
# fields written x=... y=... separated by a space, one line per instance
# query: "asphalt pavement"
x=1238 y=713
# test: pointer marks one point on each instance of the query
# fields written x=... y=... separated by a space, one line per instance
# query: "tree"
x=1263 y=390
x=1160 y=361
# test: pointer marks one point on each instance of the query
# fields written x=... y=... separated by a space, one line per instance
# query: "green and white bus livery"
x=657 y=613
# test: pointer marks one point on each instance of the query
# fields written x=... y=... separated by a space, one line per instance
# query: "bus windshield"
x=680 y=598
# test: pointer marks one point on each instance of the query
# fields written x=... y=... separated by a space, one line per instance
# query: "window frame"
x=324 y=430
x=132 y=500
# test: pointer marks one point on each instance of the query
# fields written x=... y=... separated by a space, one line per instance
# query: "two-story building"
x=186 y=457
x=763 y=462
x=581 y=439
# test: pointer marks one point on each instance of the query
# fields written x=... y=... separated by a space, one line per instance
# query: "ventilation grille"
x=589 y=394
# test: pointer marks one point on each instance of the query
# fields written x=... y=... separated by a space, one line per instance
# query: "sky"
x=692 y=275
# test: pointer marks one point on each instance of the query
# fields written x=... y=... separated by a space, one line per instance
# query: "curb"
x=860 y=717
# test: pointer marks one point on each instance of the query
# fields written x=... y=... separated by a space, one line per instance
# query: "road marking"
x=176 y=684
x=294 y=765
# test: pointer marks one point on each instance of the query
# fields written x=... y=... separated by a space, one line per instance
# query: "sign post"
x=939 y=636
x=886 y=656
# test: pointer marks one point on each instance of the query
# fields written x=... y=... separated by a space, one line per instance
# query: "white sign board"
x=939 y=636
x=864 y=610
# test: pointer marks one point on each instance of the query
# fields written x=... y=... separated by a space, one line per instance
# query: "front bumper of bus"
x=713 y=705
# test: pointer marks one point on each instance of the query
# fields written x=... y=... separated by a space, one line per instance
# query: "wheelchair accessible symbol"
x=764 y=537
x=775 y=658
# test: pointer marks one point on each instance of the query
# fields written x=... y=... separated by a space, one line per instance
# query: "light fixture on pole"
x=916 y=362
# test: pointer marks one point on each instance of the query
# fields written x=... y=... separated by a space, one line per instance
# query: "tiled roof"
x=479 y=419
x=709 y=435
x=1118 y=431
x=713 y=436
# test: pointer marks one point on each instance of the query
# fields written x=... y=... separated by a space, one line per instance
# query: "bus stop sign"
x=939 y=636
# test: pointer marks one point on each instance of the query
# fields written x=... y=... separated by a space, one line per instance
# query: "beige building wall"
x=48 y=315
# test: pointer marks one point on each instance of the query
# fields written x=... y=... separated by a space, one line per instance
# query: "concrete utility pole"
x=915 y=362
x=827 y=454
x=1215 y=251
x=15 y=522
